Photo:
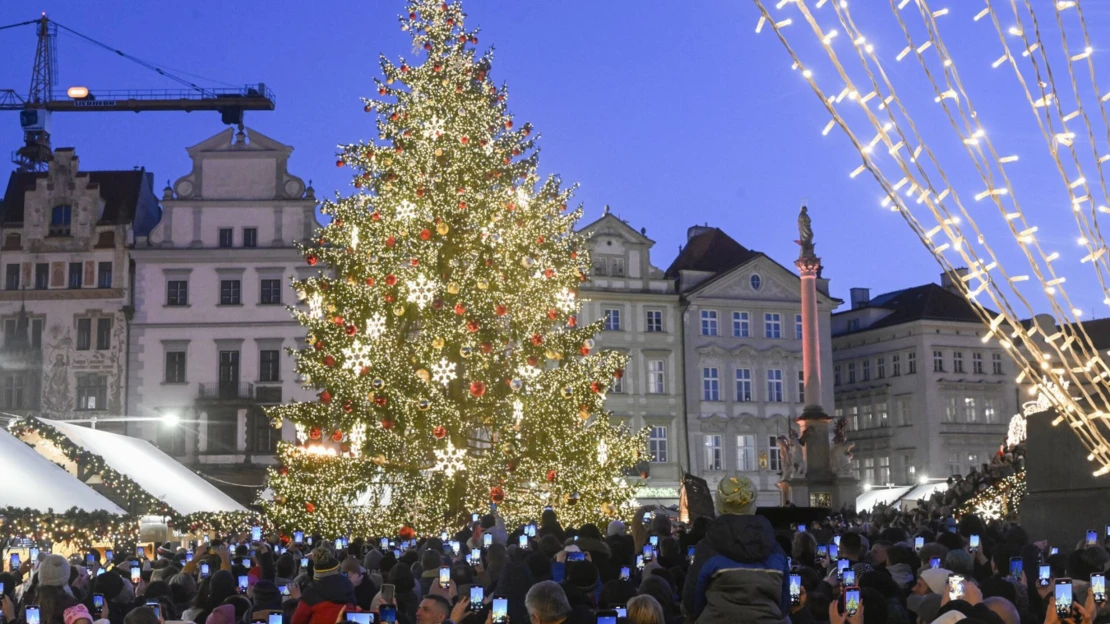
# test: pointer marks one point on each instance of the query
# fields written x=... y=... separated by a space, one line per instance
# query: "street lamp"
x=171 y=419
x=924 y=480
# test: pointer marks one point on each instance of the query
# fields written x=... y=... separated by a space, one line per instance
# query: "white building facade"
x=924 y=397
x=212 y=285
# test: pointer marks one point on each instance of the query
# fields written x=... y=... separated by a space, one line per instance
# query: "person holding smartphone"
x=360 y=580
x=326 y=596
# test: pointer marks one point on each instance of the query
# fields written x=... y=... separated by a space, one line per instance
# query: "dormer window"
x=757 y=281
x=60 y=217
x=616 y=267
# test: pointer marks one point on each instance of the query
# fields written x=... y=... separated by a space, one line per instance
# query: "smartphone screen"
x=139 y=550
x=13 y=562
x=639 y=562
x=1044 y=573
x=581 y=556
x=841 y=566
x=256 y=534
x=338 y=544
x=607 y=617
x=477 y=595
x=283 y=590
x=388 y=592
x=33 y=616
x=622 y=612
x=388 y=614
x=973 y=541
x=90 y=559
x=649 y=552
x=1053 y=551
x=654 y=540
x=955 y=587
x=1092 y=537
x=834 y=551
x=304 y=562
x=275 y=618
x=298 y=537
x=358 y=618
x=455 y=545
x=246 y=563
x=522 y=542
x=918 y=543
x=690 y=553
x=500 y=610
x=1063 y=598
x=397 y=553
x=1098 y=587
x=626 y=574
x=243 y=583
x=851 y=601
x=849 y=577
x=188 y=556
x=934 y=563
x=136 y=573
x=204 y=571
x=109 y=555
x=445 y=577
x=157 y=609
x=836 y=540
x=822 y=550
x=801 y=528
x=474 y=517
x=1015 y=568
x=487 y=540
x=795 y=589
x=98 y=602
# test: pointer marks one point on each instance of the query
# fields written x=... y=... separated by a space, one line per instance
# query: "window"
x=798 y=326
x=772 y=325
x=865 y=370
x=271 y=291
x=13 y=391
x=600 y=266
x=227 y=237
x=909 y=470
x=36 y=332
x=884 y=469
x=103 y=333
x=895 y=366
x=616 y=267
x=710 y=385
x=957 y=362
x=902 y=411
x=75 y=271
x=996 y=363
x=990 y=411
x=977 y=363
x=954 y=466
x=11 y=277
x=774 y=385
x=774 y=460
x=741 y=325
x=708 y=322
x=851 y=372
x=745 y=453
x=657 y=444
x=657 y=377
x=938 y=361
x=971 y=409
x=229 y=292
x=880 y=367
x=801 y=386
x=250 y=237
x=869 y=470
x=836 y=375
x=269 y=365
x=853 y=418
x=92 y=392
x=612 y=319
x=744 y=385
x=951 y=413
x=866 y=416
x=911 y=362
x=713 y=458
x=618 y=385
x=654 y=320
x=854 y=324
x=882 y=417
x=60 y=217
x=756 y=281
x=42 y=276
x=104 y=275
x=84 y=334
x=175 y=367
x=177 y=293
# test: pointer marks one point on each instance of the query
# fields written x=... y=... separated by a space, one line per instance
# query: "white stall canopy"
x=31 y=480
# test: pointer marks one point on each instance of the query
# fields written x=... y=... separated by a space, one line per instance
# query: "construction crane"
x=42 y=100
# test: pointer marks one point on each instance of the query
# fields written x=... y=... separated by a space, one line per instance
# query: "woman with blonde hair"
x=644 y=609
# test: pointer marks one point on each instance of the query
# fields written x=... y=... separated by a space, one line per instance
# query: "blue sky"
x=673 y=113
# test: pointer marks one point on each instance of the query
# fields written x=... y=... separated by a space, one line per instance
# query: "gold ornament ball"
x=567 y=392
x=453 y=288
x=423 y=374
x=466 y=351
x=442 y=228
x=378 y=383
x=399 y=310
x=439 y=151
x=584 y=414
x=483 y=285
x=424 y=405
x=437 y=343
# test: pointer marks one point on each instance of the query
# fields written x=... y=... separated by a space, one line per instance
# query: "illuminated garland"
x=446 y=321
x=999 y=501
x=78 y=528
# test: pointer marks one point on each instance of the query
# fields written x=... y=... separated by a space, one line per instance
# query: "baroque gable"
x=245 y=165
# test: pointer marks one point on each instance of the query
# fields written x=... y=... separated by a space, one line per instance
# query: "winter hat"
x=75 y=614
x=325 y=566
x=929 y=607
x=936 y=579
x=54 y=571
x=616 y=527
x=959 y=561
x=736 y=495
x=109 y=584
x=583 y=575
x=223 y=614
x=266 y=595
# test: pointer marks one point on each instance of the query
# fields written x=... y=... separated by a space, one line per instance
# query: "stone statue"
x=841 y=458
x=805 y=233
x=791 y=457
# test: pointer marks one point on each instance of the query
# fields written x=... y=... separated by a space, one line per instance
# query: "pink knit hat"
x=75 y=614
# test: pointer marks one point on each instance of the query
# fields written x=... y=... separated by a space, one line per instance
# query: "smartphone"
x=841 y=566
x=639 y=562
x=934 y=563
x=1108 y=530
x=801 y=528
x=33 y=616
x=822 y=550
x=626 y=574
x=1092 y=537
x=500 y=610
x=275 y=618
x=13 y=562
x=90 y=559
x=136 y=573
x=848 y=577
x=140 y=551
x=304 y=562
x=109 y=555
x=654 y=541
x=973 y=542
x=474 y=517
x=338 y=544
x=649 y=552
x=444 y=577
x=690 y=553
x=477 y=596
x=284 y=590
x=836 y=540
x=1044 y=574
x=188 y=556
x=243 y=582
x=918 y=543
x=581 y=556
x=608 y=616
x=366 y=617
x=388 y=614
x=246 y=563
x=834 y=551
x=455 y=545
x=207 y=539
x=33 y=554
x=1063 y=598
x=1015 y=568
x=955 y=587
x=851 y=601
x=622 y=612
x=388 y=591
x=309 y=540
x=795 y=589
x=204 y=570
x=157 y=606
x=397 y=553
x=98 y=604
x=1098 y=587
x=522 y=542
x=1055 y=550
x=531 y=530
x=256 y=534
x=487 y=540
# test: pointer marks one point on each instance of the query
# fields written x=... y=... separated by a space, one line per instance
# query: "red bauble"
x=389 y=298
x=374 y=216
x=406 y=533
x=425 y=234
x=420 y=192
x=347 y=407
x=283 y=471
x=533 y=360
x=388 y=423
x=369 y=281
x=440 y=432
x=486 y=347
x=381 y=401
x=549 y=273
x=310 y=508
x=325 y=397
x=404 y=68
x=551 y=474
x=537 y=339
x=427 y=46
x=318 y=345
x=464 y=140
x=572 y=322
x=643 y=474
x=462 y=205
x=414 y=262
x=338 y=320
x=618 y=373
x=500 y=310
x=389 y=242
x=369 y=107
x=339 y=163
x=496 y=494
x=336 y=436
x=584 y=350
x=595 y=387
x=312 y=260
x=509 y=123
x=329 y=360
x=477 y=388
x=573 y=254
x=540 y=240
x=553 y=314
x=460 y=309
x=472 y=326
x=315 y=433
x=390 y=280
x=351 y=330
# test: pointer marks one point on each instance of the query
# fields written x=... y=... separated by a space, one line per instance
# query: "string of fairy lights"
x=918 y=185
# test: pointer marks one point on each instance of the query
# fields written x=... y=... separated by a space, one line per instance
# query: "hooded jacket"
x=323 y=599
x=739 y=574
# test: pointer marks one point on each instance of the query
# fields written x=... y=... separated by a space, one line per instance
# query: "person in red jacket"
x=327 y=595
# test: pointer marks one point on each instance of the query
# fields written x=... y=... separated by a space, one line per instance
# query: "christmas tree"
x=442 y=336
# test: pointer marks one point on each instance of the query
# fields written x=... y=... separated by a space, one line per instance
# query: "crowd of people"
x=890 y=568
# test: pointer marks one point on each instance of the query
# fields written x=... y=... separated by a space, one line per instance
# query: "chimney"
x=950 y=281
x=860 y=297
x=696 y=230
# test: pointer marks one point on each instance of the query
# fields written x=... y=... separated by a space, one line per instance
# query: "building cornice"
x=209 y=255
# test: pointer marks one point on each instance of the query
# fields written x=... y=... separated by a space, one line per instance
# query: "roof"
x=712 y=251
x=925 y=302
x=31 y=480
x=120 y=191
x=1097 y=329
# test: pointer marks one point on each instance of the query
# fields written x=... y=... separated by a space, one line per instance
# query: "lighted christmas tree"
x=442 y=333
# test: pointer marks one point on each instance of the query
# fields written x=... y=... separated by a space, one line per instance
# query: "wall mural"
x=63 y=363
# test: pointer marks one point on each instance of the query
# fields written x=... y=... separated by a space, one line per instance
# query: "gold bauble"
x=453 y=288
x=567 y=392
x=399 y=310
x=584 y=414
x=424 y=405
x=437 y=343
x=466 y=351
x=309 y=339
x=442 y=228
x=483 y=285
x=423 y=374
x=331 y=307
x=378 y=459
x=388 y=162
x=378 y=383
x=439 y=151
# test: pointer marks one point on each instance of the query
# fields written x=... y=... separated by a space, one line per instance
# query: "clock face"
x=184 y=188
x=294 y=188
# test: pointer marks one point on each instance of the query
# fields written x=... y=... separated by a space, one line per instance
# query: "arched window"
x=60 y=217
x=757 y=281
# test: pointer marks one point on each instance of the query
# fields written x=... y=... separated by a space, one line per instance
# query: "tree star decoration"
x=450 y=460
x=443 y=371
x=406 y=211
x=421 y=291
x=357 y=356
x=375 y=325
x=566 y=301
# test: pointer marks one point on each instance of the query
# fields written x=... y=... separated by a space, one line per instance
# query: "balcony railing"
x=225 y=391
x=267 y=394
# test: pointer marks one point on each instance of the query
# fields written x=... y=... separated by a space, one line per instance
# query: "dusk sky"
x=673 y=113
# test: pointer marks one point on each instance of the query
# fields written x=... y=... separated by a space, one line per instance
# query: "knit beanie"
x=54 y=571
x=325 y=566
x=936 y=579
x=616 y=527
x=77 y=613
x=736 y=495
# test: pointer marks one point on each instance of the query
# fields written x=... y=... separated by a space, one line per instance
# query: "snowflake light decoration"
x=1016 y=433
x=357 y=437
x=302 y=435
x=375 y=325
x=406 y=211
x=443 y=371
x=990 y=509
x=356 y=357
x=450 y=460
x=566 y=301
x=529 y=373
x=434 y=128
x=316 y=305
x=421 y=291
x=518 y=411
x=523 y=199
x=602 y=452
x=354 y=237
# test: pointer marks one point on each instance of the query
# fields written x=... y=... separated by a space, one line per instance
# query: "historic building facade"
x=66 y=296
x=212 y=285
x=925 y=398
